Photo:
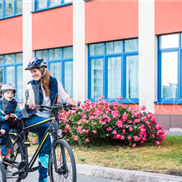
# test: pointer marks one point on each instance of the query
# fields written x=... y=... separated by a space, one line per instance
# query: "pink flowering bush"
x=103 y=122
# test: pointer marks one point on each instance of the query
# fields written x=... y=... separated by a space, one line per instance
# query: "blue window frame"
x=60 y=63
x=11 y=71
x=41 y=5
x=169 y=69
x=10 y=8
x=113 y=71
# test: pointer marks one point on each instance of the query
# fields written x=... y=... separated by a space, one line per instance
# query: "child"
x=10 y=107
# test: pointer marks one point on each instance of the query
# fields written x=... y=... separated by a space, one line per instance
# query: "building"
x=128 y=48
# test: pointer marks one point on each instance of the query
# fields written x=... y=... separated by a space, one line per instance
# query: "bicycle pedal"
x=27 y=143
x=34 y=169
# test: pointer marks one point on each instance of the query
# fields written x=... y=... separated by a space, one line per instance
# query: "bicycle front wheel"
x=2 y=173
x=62 y=166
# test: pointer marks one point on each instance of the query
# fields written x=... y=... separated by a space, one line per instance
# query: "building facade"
x=128 y=48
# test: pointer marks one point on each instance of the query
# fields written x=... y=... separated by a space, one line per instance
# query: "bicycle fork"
x=63 y=168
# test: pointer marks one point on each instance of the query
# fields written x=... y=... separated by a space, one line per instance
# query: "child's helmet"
x=36 y=63
x=8 y=86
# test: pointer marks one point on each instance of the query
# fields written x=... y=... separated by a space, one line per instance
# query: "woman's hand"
x=31 y=105
x=12 y=115
x=6 y=117
x=73 y=103
x=69 y=100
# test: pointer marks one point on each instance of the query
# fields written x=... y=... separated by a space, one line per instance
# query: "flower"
x=87 y=140
x=120 y=98
x=67 y=127
x=114 y=132
x=75 y=138
x=157 y=142
x=142 y=108
x=137 y=114
x=112 y=121
x=34 y=141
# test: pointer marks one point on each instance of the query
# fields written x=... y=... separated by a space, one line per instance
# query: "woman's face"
x=36 y=74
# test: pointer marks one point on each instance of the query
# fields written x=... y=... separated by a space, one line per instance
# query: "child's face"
x=8 y=95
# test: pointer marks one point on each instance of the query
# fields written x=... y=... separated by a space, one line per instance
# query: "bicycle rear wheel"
x=2 y=173
x=15 y=158
x=65 y=162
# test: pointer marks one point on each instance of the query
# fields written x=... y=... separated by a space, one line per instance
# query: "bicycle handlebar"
x=63 y=106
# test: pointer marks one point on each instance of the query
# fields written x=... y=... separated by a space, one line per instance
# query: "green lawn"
x=166 y=159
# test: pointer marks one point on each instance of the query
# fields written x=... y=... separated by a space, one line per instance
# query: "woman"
x=43 y=90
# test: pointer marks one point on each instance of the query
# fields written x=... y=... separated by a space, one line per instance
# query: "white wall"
x=147 y=54
x=27 y=40
x=80 y=70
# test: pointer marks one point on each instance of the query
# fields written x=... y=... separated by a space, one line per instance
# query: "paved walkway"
x=81 y=178
x=88 y=173
x=174 y=132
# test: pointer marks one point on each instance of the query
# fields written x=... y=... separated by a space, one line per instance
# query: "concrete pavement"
x=124 y=175
x=88 y=173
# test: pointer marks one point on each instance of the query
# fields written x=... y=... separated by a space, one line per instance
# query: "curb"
x=124 y=175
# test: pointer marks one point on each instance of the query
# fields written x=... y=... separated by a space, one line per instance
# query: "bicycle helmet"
x=36 y=63
x=8 y=86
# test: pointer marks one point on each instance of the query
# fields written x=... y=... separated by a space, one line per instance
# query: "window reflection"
x=1 y=8
x=1 y=77
x=68 y=79
x=10 y=75
x=55 y=54
x=113 y=47
x=55 y=2
x=19 y=58
x=18 y=6
x=68 y=52
x=114 y=77
x=41 y=4
x=96 y=78
x=55 y=69
x=169 y=75
x=19 y=71
x=9 y=59
x=9 y=8
x=131 y=45
x=169 y=41
x=1 y=60
x=13 y=73
x=42 y=54
x=96 y=49
x=132 y=77
x=67 y=1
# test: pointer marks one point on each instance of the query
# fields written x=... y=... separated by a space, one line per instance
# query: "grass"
x=166 y=159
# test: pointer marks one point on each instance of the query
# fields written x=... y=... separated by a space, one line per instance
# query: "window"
x=169 y=69
x=60 y=63
x=47 y=4
x=113 y=70
x=11 y=71
x=9 y=8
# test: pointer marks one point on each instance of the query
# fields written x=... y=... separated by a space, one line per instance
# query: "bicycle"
x=61 y=159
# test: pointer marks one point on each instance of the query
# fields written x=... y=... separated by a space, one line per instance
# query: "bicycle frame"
x=22 y=137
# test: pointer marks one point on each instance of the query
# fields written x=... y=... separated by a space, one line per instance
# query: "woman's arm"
x=64 y=95
x=69 y=100
x=30 y=97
